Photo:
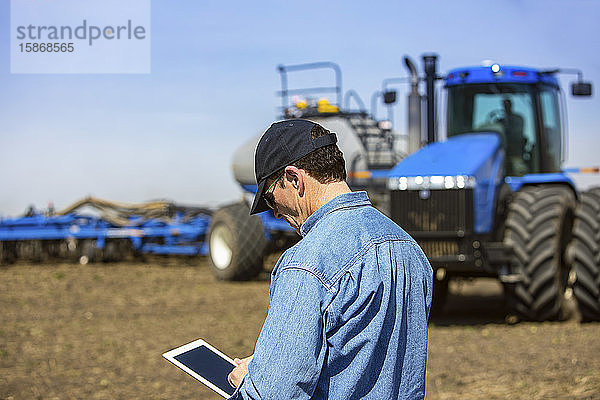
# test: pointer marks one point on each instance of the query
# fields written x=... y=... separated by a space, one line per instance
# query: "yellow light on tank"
x=323 y=106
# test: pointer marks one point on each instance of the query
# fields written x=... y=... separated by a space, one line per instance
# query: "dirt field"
x=98 y=332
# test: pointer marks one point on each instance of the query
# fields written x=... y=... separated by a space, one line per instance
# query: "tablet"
x=205 y=363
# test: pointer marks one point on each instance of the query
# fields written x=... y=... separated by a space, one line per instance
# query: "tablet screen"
x=208 y=365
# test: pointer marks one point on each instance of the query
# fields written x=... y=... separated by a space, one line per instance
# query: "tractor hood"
x=469 y=161
x=460 y=155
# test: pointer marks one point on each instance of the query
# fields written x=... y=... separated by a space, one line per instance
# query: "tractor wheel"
x=236 y=243
x=584 y=255
x=538 y=229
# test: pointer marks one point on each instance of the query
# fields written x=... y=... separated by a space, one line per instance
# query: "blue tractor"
x=490 y=200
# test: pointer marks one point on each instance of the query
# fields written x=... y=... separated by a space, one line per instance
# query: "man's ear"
x=296 y=178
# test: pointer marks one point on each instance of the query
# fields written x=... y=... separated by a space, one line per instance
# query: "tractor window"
x=506 y=109
x=552 y=127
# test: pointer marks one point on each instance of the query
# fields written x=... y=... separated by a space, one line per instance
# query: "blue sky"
x=172 y=133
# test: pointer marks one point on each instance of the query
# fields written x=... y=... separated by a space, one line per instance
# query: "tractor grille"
x=445 y=212
x=439 y=248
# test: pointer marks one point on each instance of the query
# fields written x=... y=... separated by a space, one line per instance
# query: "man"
x=350 y=301
x=515 y=141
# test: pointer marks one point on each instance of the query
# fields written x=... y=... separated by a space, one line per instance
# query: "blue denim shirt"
x=348 y=314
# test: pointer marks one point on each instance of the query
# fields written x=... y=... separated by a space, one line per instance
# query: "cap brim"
x=259 y=204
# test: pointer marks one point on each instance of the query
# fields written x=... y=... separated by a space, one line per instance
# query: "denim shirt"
x=348 y=313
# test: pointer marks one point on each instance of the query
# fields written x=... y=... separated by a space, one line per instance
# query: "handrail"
x=285 y=91
x=352 y=94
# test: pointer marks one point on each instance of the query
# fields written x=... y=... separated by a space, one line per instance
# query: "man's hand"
x=235 y=377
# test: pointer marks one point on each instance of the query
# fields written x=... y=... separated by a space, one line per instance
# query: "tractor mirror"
x=389 y=97
x=581 y=88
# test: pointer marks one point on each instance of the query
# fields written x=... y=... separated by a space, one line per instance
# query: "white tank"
x=348 y=142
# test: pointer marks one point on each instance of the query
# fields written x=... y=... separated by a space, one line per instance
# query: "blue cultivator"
x=110 y=232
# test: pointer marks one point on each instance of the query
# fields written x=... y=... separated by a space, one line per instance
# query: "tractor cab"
x=522 y=106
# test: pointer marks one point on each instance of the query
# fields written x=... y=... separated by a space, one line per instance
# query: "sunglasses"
x=268 y=195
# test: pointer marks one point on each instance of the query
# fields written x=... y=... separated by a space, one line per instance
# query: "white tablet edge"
x=170 y=356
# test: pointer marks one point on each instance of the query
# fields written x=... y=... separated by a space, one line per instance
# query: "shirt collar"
x=350 y=199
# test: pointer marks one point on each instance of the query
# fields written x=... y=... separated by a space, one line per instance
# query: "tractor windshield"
x=506 y=109
x=553 y=129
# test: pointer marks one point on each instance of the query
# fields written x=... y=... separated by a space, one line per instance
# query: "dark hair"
x=325 y=164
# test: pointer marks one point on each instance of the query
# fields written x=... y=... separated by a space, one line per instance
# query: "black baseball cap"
x=281 y=145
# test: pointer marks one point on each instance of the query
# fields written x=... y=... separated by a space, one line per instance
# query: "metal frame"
x=285 y=92
x=178 y=236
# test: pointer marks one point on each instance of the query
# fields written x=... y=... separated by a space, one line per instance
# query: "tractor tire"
x=236 y=243
x=538 y=230
x=584 y=255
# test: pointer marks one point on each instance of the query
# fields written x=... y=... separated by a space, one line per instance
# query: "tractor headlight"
x=403 y=183
x=449 y=182
x=435 y=182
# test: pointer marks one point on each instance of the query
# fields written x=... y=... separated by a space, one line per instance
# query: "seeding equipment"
x=98 y=230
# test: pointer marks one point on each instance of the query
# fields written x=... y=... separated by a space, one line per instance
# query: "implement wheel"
x=112 y=251
x=8 y=252
x=440 y=292
x=32 y=250
x=584 y=255
x=538 y=229
x=88 y=253
x=4 y=253
x=236 y=243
